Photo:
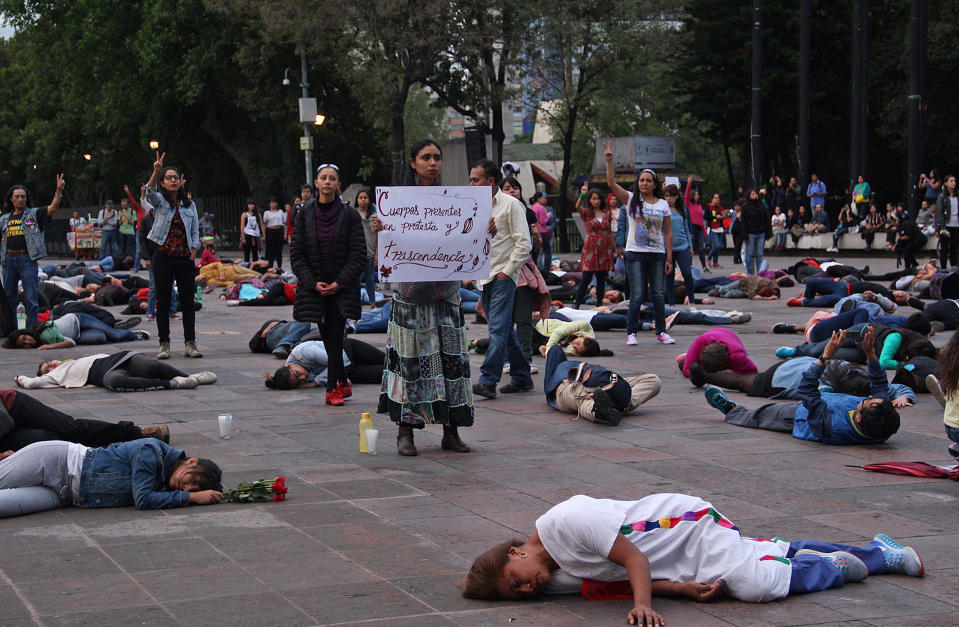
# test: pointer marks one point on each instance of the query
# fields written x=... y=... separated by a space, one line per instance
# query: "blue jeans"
x=699 y=239
x=684 y=260
x=468 y=300
x=643 y=268
x=287 y=334
x=375 y=320
x=811 y=573
x=108 y=243
x=136 y=255
x=498 y=298
x=546 y=252
x=715 y=242
x=952 y=433
x=152 y=297
x=840 y=231
x=781 y=238
x=93 y=331
x=22 y=268
x=754 y=252
x=369 y=279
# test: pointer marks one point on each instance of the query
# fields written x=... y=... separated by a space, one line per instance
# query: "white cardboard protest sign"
x=433 y=233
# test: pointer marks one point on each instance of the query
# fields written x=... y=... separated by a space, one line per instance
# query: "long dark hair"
x=636 y=204
x=411 y=178
x=944 y=188
x=8 y=199
x=679 y=205
x=11 y=341
x=181 y=196
x=949 y=366
x=282 y=379
x=512 y=181
x=846 y=378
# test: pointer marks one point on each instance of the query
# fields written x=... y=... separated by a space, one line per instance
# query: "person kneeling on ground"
x=829 y=418
x=125 y=371
x=592 y=392
x=25 y=420
x=146 y=473
x=716 y=350
x=670 y=545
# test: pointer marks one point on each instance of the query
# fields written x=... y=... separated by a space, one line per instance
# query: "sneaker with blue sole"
x=716 y=398
x=900 y=560
x=851 y=567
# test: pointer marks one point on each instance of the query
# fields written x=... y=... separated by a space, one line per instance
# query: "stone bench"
x=848 y=241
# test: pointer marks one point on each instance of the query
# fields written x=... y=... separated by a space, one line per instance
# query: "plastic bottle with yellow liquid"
x=366 y=422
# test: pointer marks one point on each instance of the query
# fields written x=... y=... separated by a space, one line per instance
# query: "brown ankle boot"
x=452 y=442
x=160 y=432
x=404 y=441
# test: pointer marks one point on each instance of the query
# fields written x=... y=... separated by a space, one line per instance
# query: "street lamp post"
x=306 y=105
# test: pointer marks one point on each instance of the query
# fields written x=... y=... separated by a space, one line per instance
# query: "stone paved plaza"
x=384 y=539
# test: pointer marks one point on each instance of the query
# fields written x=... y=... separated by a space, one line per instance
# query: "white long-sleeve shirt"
x=511 y=244
x=69 y=374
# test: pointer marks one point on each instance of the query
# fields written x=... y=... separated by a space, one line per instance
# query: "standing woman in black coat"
x=328 y=255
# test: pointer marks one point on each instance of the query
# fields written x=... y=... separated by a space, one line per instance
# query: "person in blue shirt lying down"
x=828 y=417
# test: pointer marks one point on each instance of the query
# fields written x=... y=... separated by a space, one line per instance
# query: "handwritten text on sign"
x=433 y=233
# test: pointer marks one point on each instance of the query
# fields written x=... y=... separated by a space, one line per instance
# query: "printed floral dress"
x=599 y=249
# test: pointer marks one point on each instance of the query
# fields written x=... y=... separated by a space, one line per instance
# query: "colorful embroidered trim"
x=670 y=522
x=766 y=558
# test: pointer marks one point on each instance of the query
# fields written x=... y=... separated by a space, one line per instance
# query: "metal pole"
x=914 y=101
x=307 y=154
x=756 y=126
x=855 y=118
x=864 y=92
x=805 y=12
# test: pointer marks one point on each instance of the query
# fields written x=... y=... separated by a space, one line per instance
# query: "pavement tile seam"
x=34 y=614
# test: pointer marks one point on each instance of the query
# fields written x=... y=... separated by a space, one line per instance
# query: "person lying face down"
x=670 y=545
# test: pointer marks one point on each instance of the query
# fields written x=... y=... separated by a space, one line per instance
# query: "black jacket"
x=148 y=247
x=349 y=255
x=756 y=219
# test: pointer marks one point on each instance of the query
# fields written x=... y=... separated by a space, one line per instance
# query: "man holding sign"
x=510 y=248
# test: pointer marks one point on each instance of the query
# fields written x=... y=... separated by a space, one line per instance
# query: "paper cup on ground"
x=371 y=436
x=226 y=425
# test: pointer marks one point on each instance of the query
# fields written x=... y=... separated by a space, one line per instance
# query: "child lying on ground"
x=146 y=473
x=669 y=545
x=829 y=418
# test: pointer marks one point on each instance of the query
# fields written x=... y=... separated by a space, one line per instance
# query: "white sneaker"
x=631 y=340
x=671 y=320
x=851 y=567
x=664 y=338
x=935 y=388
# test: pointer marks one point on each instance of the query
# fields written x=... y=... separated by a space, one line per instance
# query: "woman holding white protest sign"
x=427 y=375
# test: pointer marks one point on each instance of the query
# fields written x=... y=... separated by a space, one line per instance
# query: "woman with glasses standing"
x=427 y=376
x=176 y=231
x=327 y=256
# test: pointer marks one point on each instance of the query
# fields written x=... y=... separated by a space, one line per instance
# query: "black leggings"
x=36 y=422
x=366 y=361
x=166 y=270
x=274 y=296
x=250 y=249
x=949 y=248
x=140 y=373
x=274 y=246
x=333 y=330
x=583 y=288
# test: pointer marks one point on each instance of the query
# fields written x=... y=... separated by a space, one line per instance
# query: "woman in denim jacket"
x=146 y=473
x=176 y=231
x=21 y=244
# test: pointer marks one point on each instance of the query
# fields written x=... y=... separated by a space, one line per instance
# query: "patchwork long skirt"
x=427 y=374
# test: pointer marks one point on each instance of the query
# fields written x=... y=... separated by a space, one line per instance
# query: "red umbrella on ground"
x=915 y=469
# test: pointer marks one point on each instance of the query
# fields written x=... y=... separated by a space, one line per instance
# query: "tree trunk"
x=398 y=132
x=211 y=126
x=563 y=203
x=729 y=172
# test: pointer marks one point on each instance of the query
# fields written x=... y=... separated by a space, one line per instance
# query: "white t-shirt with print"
x=645 y=234
x=579 y=534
